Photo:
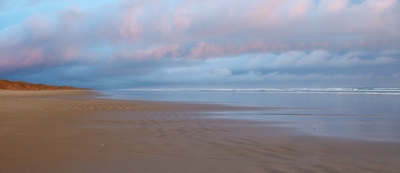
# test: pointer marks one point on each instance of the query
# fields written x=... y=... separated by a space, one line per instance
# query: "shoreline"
x=81 y=96
x=73 y=131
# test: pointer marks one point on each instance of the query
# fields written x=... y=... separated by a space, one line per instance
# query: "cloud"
x=198 y=77
x=302 y=59
x=158 y=52
x=213 y=40
x=41 y=41
x=289 y=66
x=276 y=76
x=215 y=29
x=222 y=72
x=338 y=6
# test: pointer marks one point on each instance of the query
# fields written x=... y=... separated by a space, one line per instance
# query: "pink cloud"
x=150 y=53
x=38 y=27
x=182 y=20
x=292 y=10
x=129 y=27
x=337 y=6
x=212 y=29
x=71 y=20
x=38 y=56
x=206 y=50
x=380 y=5
x=134 y=30
x=22 y=58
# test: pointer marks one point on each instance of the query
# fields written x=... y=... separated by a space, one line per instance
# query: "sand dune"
x=70 y=131
x=20 y=85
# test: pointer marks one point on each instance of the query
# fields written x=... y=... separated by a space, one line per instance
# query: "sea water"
x=357 y=113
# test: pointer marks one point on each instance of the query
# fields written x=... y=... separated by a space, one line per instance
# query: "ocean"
x=356 y=113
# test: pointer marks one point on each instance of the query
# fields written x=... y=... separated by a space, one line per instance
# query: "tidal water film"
x=357 y=113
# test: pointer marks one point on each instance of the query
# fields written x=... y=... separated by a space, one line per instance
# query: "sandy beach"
x=73 y=131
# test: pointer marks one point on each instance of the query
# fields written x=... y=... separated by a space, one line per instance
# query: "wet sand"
x=71 y=131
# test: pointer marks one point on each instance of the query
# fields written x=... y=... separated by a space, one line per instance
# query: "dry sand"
x=71 y=131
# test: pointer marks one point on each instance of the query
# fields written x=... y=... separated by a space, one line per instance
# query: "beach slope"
x=72 y=131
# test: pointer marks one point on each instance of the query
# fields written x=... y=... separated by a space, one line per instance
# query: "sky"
x=112 y=44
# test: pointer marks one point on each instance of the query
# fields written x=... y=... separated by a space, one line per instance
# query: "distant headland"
x=20 y=85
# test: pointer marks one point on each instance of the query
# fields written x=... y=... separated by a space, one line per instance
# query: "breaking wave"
x=375 y=91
